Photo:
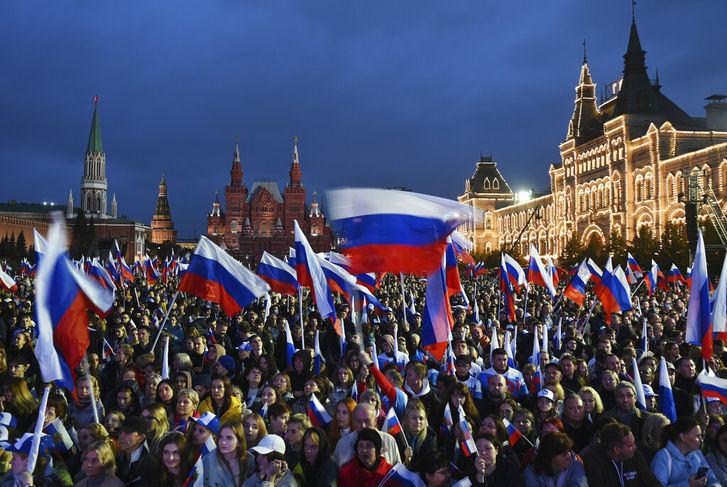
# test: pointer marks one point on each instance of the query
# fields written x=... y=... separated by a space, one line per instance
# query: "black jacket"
x=142 y=472
x=601 y=470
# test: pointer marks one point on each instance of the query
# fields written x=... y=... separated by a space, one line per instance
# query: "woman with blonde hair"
x=155 y=415
x=186 y=409
x=591 y=402
x=18 y=401
x=92 y=433
x=420 y=438
x=99 y=466
x=228 y=463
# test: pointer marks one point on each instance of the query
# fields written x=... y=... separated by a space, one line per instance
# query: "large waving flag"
x=713 y=387
x=63 y=295
x=393 y=231
x=437 y=320
x=280 y=276
x=666 y=396
x=515 y=273
x=150 y=273
x=614 y=292
x=537 y=274
x=699 y=326
x=213 y=275
x=310 y=274
x=7 y=282
x=576 y=289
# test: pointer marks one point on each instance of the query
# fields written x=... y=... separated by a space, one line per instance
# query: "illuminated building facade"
x=624 y=163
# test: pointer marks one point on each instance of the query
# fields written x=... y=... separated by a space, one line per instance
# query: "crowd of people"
x=237 y=409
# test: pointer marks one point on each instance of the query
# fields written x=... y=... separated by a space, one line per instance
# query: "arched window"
x=486 y=184
x=496 y=184
x=488 y=221
x=233 y=226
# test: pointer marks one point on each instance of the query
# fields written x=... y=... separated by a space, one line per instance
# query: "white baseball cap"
x=270 y=444
x=547 y=393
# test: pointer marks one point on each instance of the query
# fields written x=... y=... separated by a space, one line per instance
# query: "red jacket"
x=354 y=475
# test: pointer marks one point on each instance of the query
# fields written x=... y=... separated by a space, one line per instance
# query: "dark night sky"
x=381 y=93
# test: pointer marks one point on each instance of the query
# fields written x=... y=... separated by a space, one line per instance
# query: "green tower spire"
x=94 y=138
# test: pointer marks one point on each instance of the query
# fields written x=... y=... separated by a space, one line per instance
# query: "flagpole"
x=164 y=321
x=35 y=445
x=637 y=288
x=403 y=300
x=300 y=312
x=87 y=369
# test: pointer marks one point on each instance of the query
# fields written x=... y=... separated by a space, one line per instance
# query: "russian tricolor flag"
x=124 y=270
x=515 y=273
x=338 y=278
x=513 y=434
x=674 y=276
x=454 y=285
x=596 y=271
x=215 y=276
x=368 y=281
x=280 y=276
x=317 y=413
x=463 y=247
x=537 y=273
x=467 y=443
x=392 y=424
x=633 y=269
x=289 y=346
x=400 y=476
x=576 y=289
x=506 y=288
x=713 y=387
x=553 y=272
x=39 y=246
x=63 y=296
x=7 y=282
x=614 y=292
x=699 y=325
x=437 y=320
x=310 y=274
x=393 y=231
x=99 y=274
x=666 y=396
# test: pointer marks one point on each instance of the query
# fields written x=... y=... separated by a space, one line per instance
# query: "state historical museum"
x=261 y=218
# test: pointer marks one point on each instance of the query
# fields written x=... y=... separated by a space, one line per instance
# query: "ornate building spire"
x=585 y=122
x=296 y=173
x=94 y=183
x=114 y=207
x=236 y=171
x=314 y=208
x=637 y=95
x=162 y=226
x=69 y=204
